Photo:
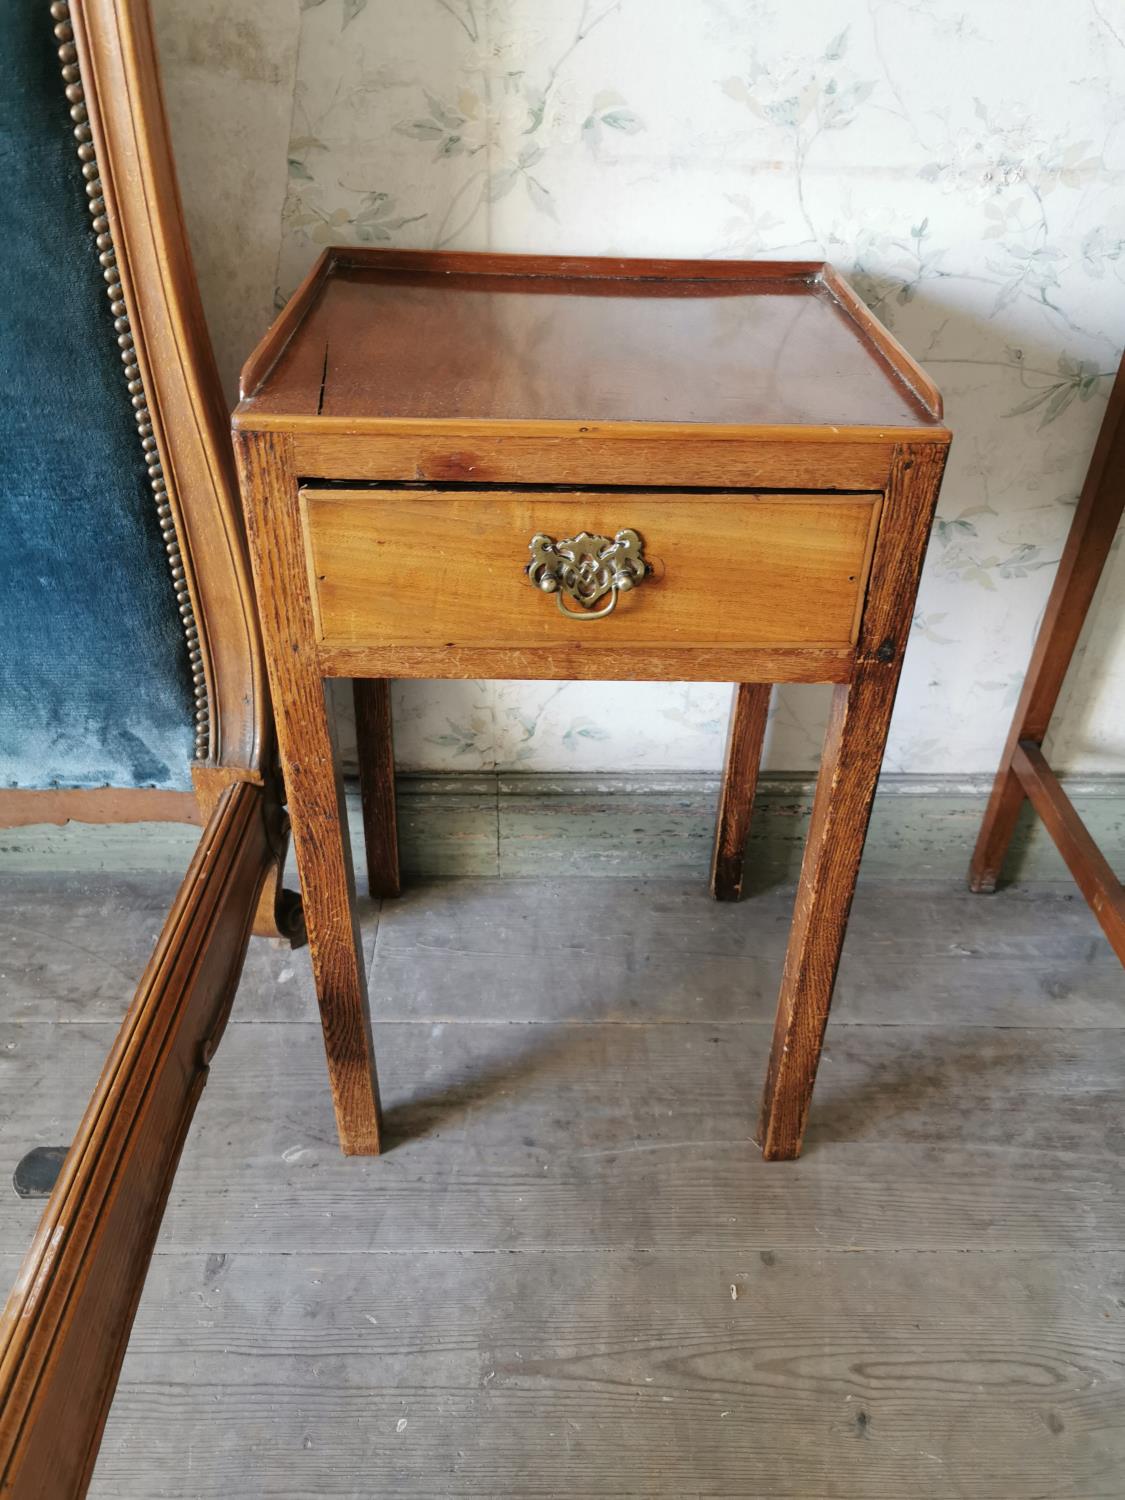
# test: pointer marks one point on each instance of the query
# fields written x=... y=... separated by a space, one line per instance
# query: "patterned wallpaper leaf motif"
x=1080 y=377
x=503 y=120
x=805 y=101
x=975 y=206
x=349 y=8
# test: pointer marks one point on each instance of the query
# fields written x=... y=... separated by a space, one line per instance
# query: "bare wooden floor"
x=572 y=1276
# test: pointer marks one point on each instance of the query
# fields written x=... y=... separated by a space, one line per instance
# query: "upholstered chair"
x=130 y=662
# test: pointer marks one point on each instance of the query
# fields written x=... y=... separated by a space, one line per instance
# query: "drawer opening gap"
x=450 y=486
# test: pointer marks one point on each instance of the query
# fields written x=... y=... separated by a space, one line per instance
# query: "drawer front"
x=448 y=568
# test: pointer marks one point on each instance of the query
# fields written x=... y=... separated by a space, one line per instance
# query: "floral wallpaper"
x=228 y=69
x=963 y=165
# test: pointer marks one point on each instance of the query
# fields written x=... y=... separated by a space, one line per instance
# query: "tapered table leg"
x=845 y=789
x=736 y=795
x=314 y=787
x=375 y=746
x=853 y=753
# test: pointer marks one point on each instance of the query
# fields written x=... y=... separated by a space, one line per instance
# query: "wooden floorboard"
x=594 y=950
x=801 y=1374
x=572 y=1275
x=74 y=948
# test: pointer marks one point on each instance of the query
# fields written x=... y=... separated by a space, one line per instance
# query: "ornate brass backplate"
x=586 y=568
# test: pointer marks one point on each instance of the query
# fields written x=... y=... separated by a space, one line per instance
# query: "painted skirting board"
x=653 y=824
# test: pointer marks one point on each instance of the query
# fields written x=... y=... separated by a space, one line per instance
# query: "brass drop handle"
x=586 y=568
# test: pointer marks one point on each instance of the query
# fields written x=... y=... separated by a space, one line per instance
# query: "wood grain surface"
x=537 y=1279
x=567 y=360
x=105 y=804
x=1083 y=560
x=745 y=734
x=619 y=453
x=375 y=751
x=448 y=568
x=307 y=739
x=1086 y=862
x=850 y=762
x=577 y=661
x=66 y=1322
x=531 y=1128
x=799 y=1374
x=390 y=334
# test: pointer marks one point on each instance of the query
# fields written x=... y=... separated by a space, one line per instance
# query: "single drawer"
x=434 y=568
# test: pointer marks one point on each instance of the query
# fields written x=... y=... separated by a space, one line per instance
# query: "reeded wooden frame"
x=64 y=1329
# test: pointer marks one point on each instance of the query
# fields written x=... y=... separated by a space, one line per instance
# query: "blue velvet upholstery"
x=95 y=686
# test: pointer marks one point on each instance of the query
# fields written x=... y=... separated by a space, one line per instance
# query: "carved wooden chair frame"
x=64 y=1329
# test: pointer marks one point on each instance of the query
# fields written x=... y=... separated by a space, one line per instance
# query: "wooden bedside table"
x=464 y=465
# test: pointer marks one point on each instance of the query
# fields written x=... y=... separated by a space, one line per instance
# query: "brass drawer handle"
x=586 y=568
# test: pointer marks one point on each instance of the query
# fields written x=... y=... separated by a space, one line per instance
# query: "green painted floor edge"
x=651 y=824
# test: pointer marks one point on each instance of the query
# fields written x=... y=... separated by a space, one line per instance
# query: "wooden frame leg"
x=1085 y=861
x=736 y=795
x=845 y=791
x=374 y=734
x=281 y=913
x=307 y=737
x=999 y=824
x=314 y=786
x=1087 y=546
x=320 y=831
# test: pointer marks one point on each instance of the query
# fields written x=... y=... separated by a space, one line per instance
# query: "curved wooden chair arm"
x=66 y=1323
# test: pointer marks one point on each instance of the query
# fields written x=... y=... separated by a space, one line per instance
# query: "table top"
x=386 y=336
